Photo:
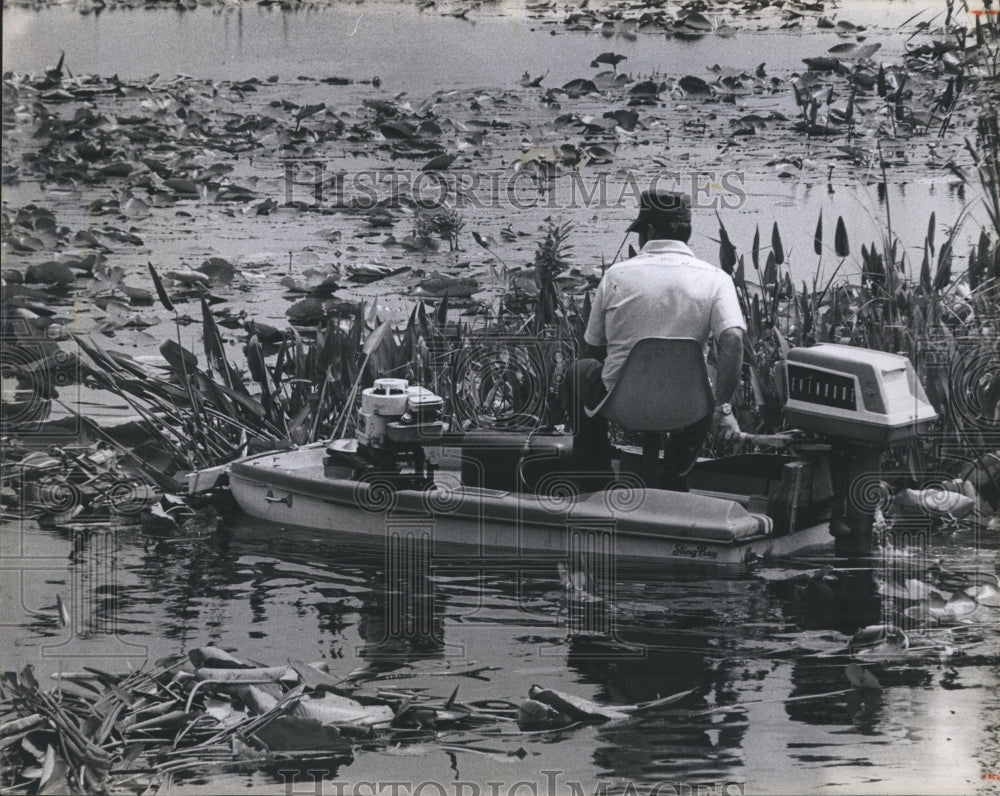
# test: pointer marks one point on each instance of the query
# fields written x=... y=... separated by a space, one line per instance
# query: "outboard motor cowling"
x=852 y=393
x=381 y=404
x=862 y=401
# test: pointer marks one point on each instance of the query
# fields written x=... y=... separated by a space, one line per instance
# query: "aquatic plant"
x=100 y=732
x=446 y=222
x=551 y=257
x=946 y=323
x=199 y=417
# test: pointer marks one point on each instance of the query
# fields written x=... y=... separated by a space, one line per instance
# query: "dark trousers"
x=583 y=387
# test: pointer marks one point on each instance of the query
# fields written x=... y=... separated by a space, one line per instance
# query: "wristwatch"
x=725 y=409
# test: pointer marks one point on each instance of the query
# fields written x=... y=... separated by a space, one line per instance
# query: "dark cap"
x=662 y=207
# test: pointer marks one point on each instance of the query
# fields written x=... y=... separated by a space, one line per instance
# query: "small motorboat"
x=512 y=492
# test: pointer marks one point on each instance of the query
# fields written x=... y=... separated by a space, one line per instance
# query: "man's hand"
x=724 y=423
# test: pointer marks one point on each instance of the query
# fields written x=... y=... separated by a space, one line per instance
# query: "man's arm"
x=728 y=368
x=729 y=364
x=595 y=327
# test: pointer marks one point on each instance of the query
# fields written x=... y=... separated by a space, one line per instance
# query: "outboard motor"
x=380 y=404
x=395 y=421
x=862 y=402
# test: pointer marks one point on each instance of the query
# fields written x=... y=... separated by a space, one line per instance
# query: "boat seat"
x=662 y=387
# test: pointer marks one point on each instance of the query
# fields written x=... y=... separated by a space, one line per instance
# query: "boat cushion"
x=675 y=514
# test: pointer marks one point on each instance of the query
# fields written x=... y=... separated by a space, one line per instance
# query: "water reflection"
x=688 y=633
x=831 y=599
x=191 y=581
x=628 y=636
x=402 y=618
x=89 y=599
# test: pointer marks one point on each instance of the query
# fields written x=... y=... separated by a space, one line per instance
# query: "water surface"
x=787 y=180
x=737 y=636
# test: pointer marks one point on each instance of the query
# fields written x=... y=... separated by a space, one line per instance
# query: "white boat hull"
x=291 y=489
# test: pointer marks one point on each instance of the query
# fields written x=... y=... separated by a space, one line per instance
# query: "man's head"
x=663 y=215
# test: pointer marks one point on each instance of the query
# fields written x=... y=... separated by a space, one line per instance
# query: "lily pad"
x=694 y=85
x=440 y=285
x=580 y=86
x=182 y=187
x=609 y=58
x=535 y=715
x=397 y=130
x=959 y=606
x=308 y=310
x=50 y=273
x=219 y=270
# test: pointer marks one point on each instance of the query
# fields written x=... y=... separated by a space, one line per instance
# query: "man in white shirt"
x=664 y=291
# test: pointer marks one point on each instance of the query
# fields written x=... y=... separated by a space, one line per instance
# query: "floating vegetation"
x=210 y=712
x=73 y=486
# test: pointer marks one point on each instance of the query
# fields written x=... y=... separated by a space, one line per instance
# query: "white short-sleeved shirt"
x=664 y=291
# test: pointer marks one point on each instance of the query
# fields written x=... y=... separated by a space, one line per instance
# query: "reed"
x=940 y=315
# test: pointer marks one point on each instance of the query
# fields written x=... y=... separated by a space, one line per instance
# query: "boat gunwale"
x=248 y=472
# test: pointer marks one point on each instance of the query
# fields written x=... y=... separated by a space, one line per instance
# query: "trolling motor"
x=395 y=421
x=862 y=402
